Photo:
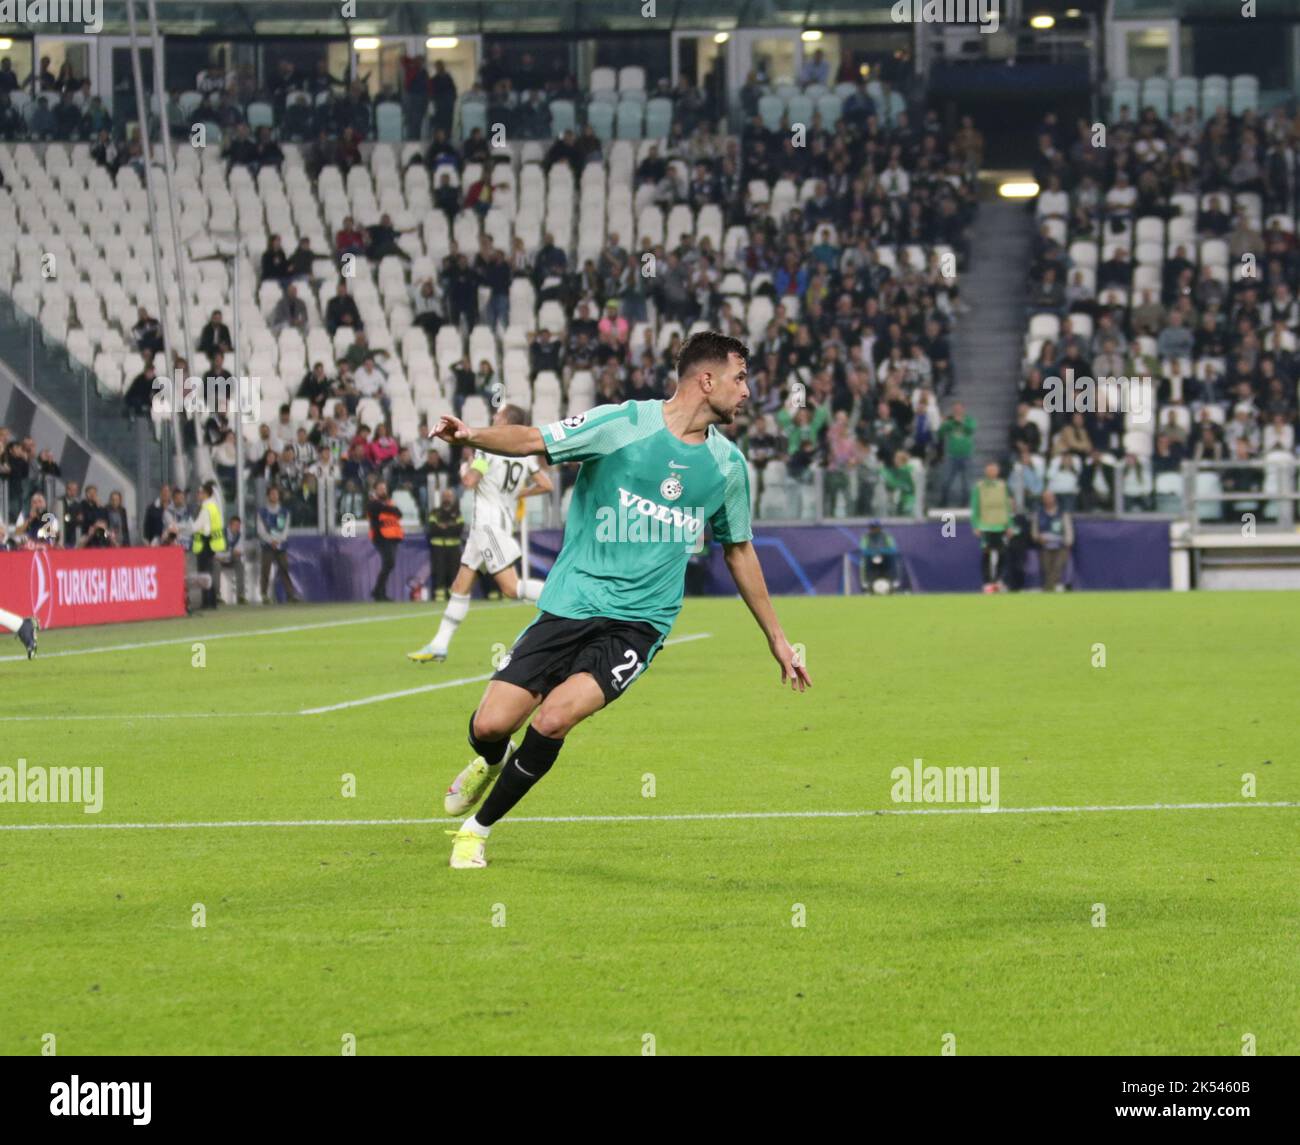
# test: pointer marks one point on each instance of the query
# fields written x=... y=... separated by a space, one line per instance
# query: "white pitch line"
x=687 y=818
x=61 y=716
x=395 y=695
x=447 y=684
x=126 y=718
x=378 y=619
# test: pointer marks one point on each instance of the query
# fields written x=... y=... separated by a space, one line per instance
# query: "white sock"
x=454 y=613
x=528 y=588
x=475 y=827
x=10 y=620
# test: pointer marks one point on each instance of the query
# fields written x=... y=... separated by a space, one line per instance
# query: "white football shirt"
x=497 y=493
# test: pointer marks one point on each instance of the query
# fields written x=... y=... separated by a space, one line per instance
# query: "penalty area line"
x=383 y=696
x=125 y=717
x=703 y=816
x=378 y=618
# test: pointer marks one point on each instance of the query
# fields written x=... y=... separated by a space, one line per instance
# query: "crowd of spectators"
x=851 y=358
x=847 y=374
x=25 y=471
x=39 y=508
x=43 y=511
x=1170 y=254
x=61 y=106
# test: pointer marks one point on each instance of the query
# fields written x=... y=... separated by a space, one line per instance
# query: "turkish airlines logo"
x=41 y=585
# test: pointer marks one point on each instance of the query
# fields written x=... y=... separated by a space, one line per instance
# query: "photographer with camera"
x=877 y=557
x=272 y=533
x=232 y=560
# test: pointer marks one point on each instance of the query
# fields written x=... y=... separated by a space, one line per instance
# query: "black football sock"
x=533 y=760
x=492 y=750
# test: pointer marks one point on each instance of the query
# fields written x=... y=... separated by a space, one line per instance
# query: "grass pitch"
x=587 y=936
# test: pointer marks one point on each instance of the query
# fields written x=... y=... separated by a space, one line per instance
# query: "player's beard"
x=725 y=416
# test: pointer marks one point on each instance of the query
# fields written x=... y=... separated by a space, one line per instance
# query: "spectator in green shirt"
x=957 y=434
x=901 y=485
x=804 y=425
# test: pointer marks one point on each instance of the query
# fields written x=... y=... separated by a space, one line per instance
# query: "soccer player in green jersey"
x=653 y=474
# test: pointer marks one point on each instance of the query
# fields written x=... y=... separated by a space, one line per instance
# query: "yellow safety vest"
x=216 y=537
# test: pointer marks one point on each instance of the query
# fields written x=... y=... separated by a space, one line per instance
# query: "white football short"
x=490 y=550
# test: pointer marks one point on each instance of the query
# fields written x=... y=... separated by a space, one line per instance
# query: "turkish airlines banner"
x=64 y=588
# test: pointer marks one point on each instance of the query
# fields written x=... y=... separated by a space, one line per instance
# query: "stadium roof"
x=468 y=17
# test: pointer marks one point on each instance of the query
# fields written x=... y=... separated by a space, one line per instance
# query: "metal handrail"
x=1284 y=496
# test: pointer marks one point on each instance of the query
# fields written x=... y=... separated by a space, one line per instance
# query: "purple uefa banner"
x=801 y=560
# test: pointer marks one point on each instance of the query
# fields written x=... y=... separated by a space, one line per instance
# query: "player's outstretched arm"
x=507 y=440
x=541 y=483
x=742 y=563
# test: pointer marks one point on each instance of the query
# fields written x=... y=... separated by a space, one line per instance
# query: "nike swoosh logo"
x=674 y=465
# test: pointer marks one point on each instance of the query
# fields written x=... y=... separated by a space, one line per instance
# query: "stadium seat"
x=1155 y=94
x=799 y=110
x=830 y=108
x=388 y=122
x=771 y=108
x=1169 y=492
x=1244 y=94
x=1186 y=94
x=1208 y=485
x=1214 y=95
x=629 y=119
x=473 y=115
x=563 y=117
x=259 y=114
x=600 y=117
x=1044 y=326
x=658 y=118
x=1124 y=93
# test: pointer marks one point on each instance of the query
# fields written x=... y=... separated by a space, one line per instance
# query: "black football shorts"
x=553 y=648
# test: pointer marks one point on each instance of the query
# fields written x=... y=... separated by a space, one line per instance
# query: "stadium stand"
x=1169 y=257
x=454 y=276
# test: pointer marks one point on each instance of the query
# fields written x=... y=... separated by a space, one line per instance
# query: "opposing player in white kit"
x=499 y=483
x=24 y=627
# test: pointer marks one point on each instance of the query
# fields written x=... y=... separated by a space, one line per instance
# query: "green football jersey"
x=638 y=511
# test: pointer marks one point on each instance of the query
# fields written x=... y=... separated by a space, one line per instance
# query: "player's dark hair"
x=514 y=415
x=708 y=346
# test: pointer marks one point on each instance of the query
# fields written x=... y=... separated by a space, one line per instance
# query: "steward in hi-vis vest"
x=991 y=512
x=385 y=535
x=209 y=527
x=209 y=539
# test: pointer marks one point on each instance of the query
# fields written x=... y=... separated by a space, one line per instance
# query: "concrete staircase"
x=99 y=437
x=986 y=342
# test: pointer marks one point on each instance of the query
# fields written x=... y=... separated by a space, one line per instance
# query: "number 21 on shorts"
x=624 y=673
